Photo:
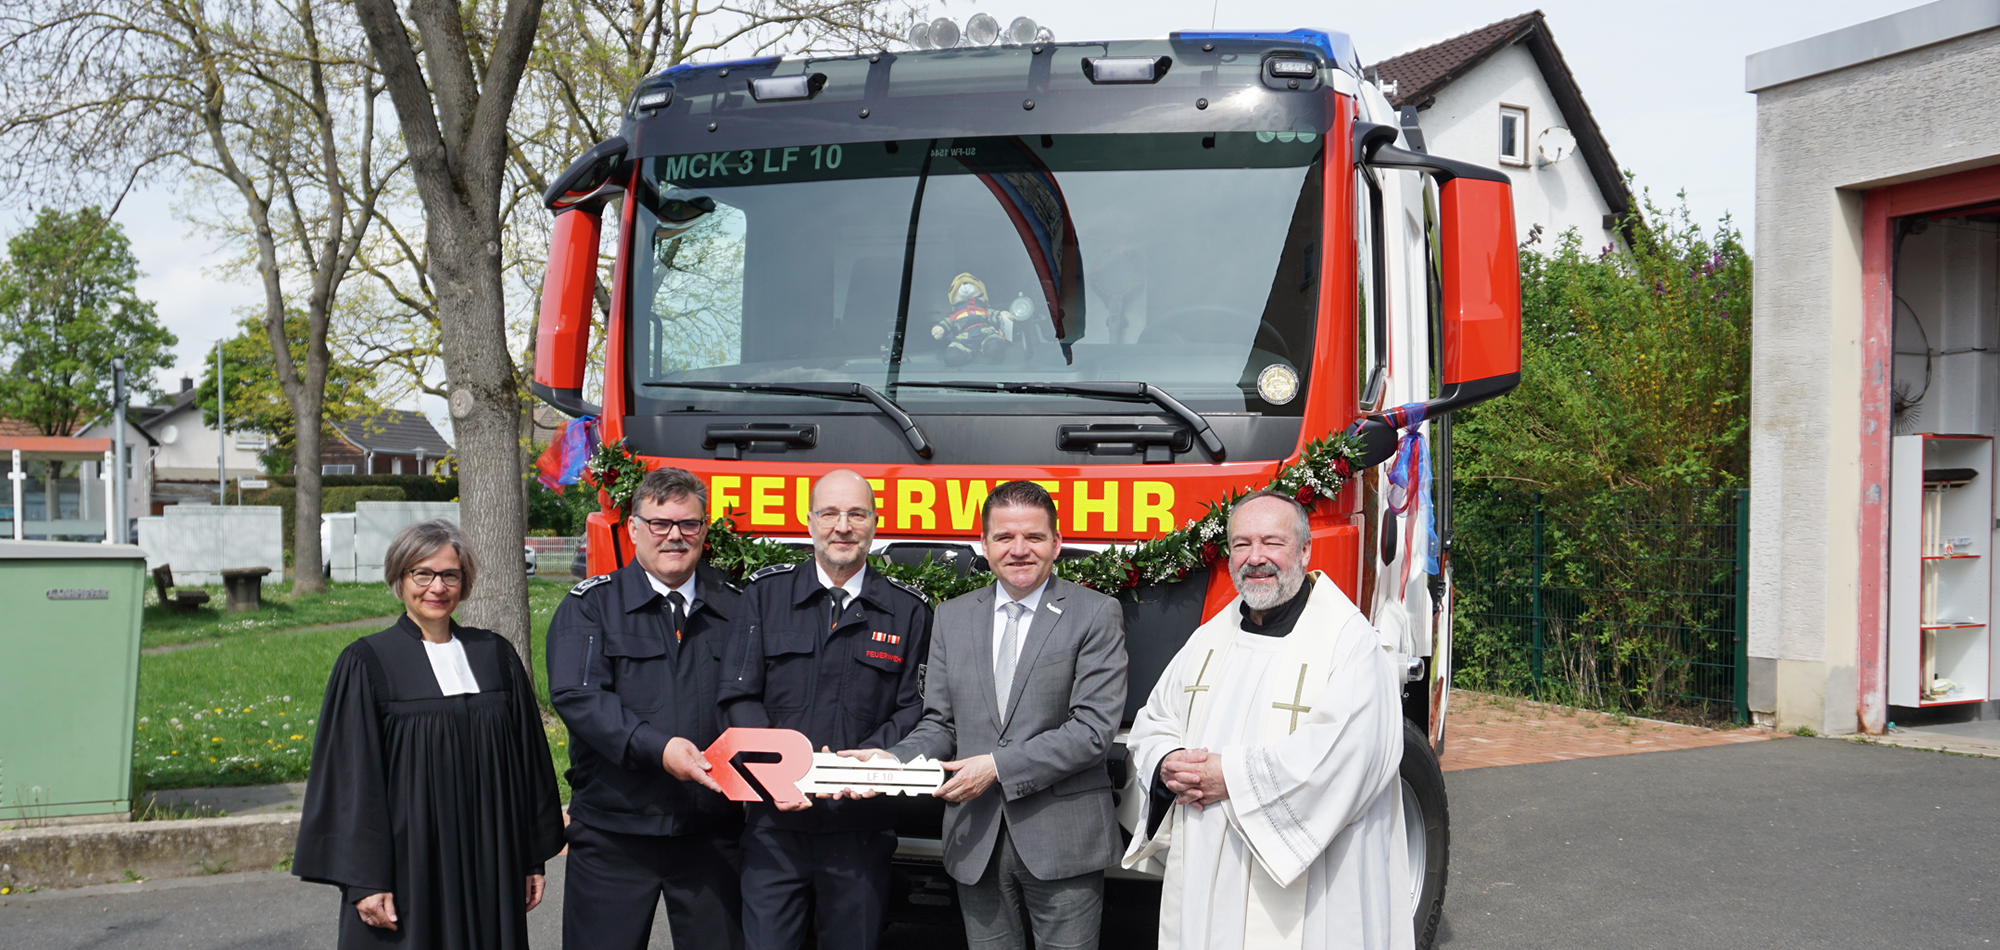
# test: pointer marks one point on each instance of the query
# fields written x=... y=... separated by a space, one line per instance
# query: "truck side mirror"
x=1480 y=340
x=596 y=175
x=562 y=334
x=1481 y=345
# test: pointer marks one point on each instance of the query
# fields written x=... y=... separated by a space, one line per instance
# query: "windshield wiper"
x=830 y=390
x=1122 y=389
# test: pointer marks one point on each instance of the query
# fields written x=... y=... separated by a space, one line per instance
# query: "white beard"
x=1289 y=581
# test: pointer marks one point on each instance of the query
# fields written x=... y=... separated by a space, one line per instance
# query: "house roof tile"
x=394 y=432
x=1421 y=73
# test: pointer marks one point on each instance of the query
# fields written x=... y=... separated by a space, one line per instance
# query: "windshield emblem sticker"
x=1278 y=383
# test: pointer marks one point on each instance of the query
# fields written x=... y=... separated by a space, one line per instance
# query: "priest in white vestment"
x=1270 y=748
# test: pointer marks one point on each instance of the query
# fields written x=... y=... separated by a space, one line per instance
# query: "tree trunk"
x=485 y=407
x=306 y=500
x=454 y=121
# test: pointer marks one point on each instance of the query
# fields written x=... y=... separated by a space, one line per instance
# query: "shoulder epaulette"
x=773 y=569
x=914 y=592
x=588 y=583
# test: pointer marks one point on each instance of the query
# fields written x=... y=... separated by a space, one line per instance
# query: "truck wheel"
x=1427 y=827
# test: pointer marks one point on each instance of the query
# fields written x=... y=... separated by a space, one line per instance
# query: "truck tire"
x=1427 y=826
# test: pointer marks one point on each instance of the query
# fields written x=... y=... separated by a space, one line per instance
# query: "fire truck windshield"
x=1187 y=260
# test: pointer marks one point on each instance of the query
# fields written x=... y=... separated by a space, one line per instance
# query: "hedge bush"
x=415 y=487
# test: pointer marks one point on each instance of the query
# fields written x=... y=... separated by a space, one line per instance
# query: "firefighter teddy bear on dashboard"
x=972 y=328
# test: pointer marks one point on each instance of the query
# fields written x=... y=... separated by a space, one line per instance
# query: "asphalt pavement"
x=1817 y=844
x=1799 y=843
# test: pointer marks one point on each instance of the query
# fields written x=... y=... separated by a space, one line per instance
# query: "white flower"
x=173 y=722
x=144 y=719
x=197 y=715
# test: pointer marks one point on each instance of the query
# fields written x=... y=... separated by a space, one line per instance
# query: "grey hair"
x=663 y=485
x=421 y=540
x=1302 y=530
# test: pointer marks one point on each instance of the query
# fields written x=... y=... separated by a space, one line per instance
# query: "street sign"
x=253 y=483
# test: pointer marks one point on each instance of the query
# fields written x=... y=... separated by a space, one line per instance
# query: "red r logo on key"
x=780 y=778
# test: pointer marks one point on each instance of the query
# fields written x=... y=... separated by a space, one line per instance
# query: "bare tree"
x=453 y=112
x=275 y=100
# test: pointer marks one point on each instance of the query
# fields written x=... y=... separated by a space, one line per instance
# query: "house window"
x=337 y=469
x=1514 y=135
x=396 y=466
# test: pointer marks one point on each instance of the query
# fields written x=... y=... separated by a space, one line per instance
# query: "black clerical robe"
x=447 y=802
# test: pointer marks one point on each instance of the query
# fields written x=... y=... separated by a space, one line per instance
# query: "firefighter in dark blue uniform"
x=835 y=651
x=634 y=657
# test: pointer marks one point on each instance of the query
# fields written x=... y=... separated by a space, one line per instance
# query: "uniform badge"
x=587 y=583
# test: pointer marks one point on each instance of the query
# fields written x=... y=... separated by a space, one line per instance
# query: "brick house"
x=396 y=442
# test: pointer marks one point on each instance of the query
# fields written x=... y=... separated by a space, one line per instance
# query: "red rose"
x=1131 y=575
x=1341 y=468
x=1305 y=495
x=1209 y=552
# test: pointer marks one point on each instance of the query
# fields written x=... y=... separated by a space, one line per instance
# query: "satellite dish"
x=1555 y=144
x=169 y=434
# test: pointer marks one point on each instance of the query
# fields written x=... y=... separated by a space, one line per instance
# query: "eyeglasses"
x=423 y=577
x=661 y=527
x=854 y=516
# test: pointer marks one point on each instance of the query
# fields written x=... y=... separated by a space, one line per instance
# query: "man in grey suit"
x=1025 y=688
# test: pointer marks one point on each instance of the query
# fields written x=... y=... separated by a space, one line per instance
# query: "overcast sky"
x=1665 y=82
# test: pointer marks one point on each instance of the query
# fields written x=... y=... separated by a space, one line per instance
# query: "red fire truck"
x=1146 y=274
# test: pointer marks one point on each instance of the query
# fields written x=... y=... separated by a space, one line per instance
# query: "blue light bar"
x=727 y=64
x=1337 y=47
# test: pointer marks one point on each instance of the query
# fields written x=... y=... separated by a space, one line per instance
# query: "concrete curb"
x=80 y=855
x=1932 y=742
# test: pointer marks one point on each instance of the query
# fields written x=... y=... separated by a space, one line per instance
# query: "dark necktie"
x=679 y=605
x=838 y=596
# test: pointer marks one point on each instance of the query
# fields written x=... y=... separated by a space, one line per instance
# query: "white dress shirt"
x=852 y=587
x=1000 y=602
x=454 y=674
x=686 y=589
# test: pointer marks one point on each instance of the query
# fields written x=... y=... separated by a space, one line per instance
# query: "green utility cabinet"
x=69 y=677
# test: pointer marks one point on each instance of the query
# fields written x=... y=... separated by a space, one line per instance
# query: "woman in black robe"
x=432 y=802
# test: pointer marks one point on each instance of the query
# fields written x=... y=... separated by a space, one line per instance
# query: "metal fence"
x=554 y=556
x=1624 y=600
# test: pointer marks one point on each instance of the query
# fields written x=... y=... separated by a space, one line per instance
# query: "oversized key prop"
x=799 y=771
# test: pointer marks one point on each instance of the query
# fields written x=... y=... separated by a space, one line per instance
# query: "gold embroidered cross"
x=1197 y=687
x=1294 y=706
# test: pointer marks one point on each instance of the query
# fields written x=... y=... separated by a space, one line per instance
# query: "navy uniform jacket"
x=855 y=686
x=624 y=687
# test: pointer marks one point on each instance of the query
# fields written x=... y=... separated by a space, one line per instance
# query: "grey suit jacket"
x=1049 y=748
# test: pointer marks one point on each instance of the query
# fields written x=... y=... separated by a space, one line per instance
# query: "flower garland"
x=617 y=473
x=1321 y=471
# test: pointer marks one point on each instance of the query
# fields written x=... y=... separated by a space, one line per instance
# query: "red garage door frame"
x=1880 y=210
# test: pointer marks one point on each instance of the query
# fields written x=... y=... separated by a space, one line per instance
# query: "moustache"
x=1260 y=570
x=675 y=547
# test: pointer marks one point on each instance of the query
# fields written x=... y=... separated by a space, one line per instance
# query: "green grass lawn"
x=163 y=626
x=242 y=710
